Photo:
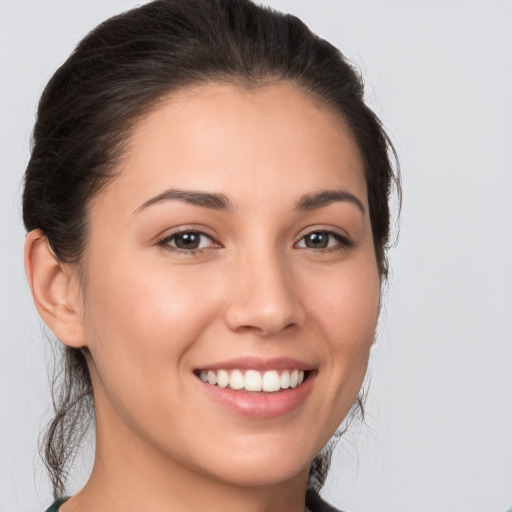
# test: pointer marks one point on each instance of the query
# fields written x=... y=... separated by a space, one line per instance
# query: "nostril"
x=265 y=304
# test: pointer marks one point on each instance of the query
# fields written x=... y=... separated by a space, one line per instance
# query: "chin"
x=263 y=474
x=271 y=465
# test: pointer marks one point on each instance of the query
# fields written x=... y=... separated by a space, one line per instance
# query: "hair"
x=120 y=72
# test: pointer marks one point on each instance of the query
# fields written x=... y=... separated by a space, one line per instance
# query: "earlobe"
x=55 y=290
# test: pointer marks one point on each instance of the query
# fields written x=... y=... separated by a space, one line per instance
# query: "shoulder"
x=55 y=506
x=315 y=503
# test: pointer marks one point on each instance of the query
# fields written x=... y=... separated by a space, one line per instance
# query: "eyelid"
x=344 y=240
x=164 y=240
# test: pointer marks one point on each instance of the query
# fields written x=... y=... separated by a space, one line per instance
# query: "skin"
x=150 y=316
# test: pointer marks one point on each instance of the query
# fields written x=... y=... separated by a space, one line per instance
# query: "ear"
x=55 y=289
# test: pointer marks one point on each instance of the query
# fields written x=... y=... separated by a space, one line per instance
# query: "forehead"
x=272 y=140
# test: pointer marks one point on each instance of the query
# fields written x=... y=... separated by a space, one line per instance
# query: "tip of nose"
x=264 y=301
x=265 y=321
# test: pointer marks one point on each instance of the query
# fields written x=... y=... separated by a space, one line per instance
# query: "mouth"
x=258 y=388
x=254 y=381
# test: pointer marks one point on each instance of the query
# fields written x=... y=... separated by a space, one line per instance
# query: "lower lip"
x=259 y=404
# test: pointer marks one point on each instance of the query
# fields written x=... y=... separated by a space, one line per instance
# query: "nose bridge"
x=263 y=297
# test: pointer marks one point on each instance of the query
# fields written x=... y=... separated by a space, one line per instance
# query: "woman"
x=207 y=208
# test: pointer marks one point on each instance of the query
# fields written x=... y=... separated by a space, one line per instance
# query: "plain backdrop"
x=439 y=432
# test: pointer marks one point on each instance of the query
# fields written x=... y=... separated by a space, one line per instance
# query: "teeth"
x=222 y=379
x=271 y=381
x=294 y=378
x=253 y=380
x=236 y=380
x=285 y=379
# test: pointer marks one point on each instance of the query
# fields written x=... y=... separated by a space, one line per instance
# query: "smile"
x=268 y=381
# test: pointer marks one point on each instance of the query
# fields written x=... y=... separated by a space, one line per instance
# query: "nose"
x=263 y=297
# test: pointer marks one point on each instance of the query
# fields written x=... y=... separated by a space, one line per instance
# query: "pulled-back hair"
x=121 y=71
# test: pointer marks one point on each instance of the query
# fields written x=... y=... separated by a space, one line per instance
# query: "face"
x=231 y=288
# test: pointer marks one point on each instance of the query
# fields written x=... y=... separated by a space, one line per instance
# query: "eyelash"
x=166 y=242
x=343 y=244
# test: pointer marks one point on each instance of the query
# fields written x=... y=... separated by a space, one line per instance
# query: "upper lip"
x=256 y=363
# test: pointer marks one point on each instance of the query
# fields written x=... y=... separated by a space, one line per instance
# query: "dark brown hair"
x=117 y=74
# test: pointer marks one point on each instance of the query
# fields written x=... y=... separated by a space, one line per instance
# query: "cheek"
x=345 y=304
x=347 y=301
x=141 y=325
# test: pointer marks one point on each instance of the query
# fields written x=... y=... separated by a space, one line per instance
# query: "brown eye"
x=187 y=241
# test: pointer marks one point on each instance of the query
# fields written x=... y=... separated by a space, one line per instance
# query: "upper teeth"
x=253 y=380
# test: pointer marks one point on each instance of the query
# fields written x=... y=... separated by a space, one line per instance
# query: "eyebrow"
x=326 y=197
x=221 y=202
x=210 y=200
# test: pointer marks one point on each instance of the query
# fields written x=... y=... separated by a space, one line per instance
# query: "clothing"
x=313 y=503
x=56 y=505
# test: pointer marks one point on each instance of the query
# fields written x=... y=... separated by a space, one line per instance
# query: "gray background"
x=439 y=73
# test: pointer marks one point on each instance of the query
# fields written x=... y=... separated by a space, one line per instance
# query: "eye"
x=324 y=240
x=187 y=241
